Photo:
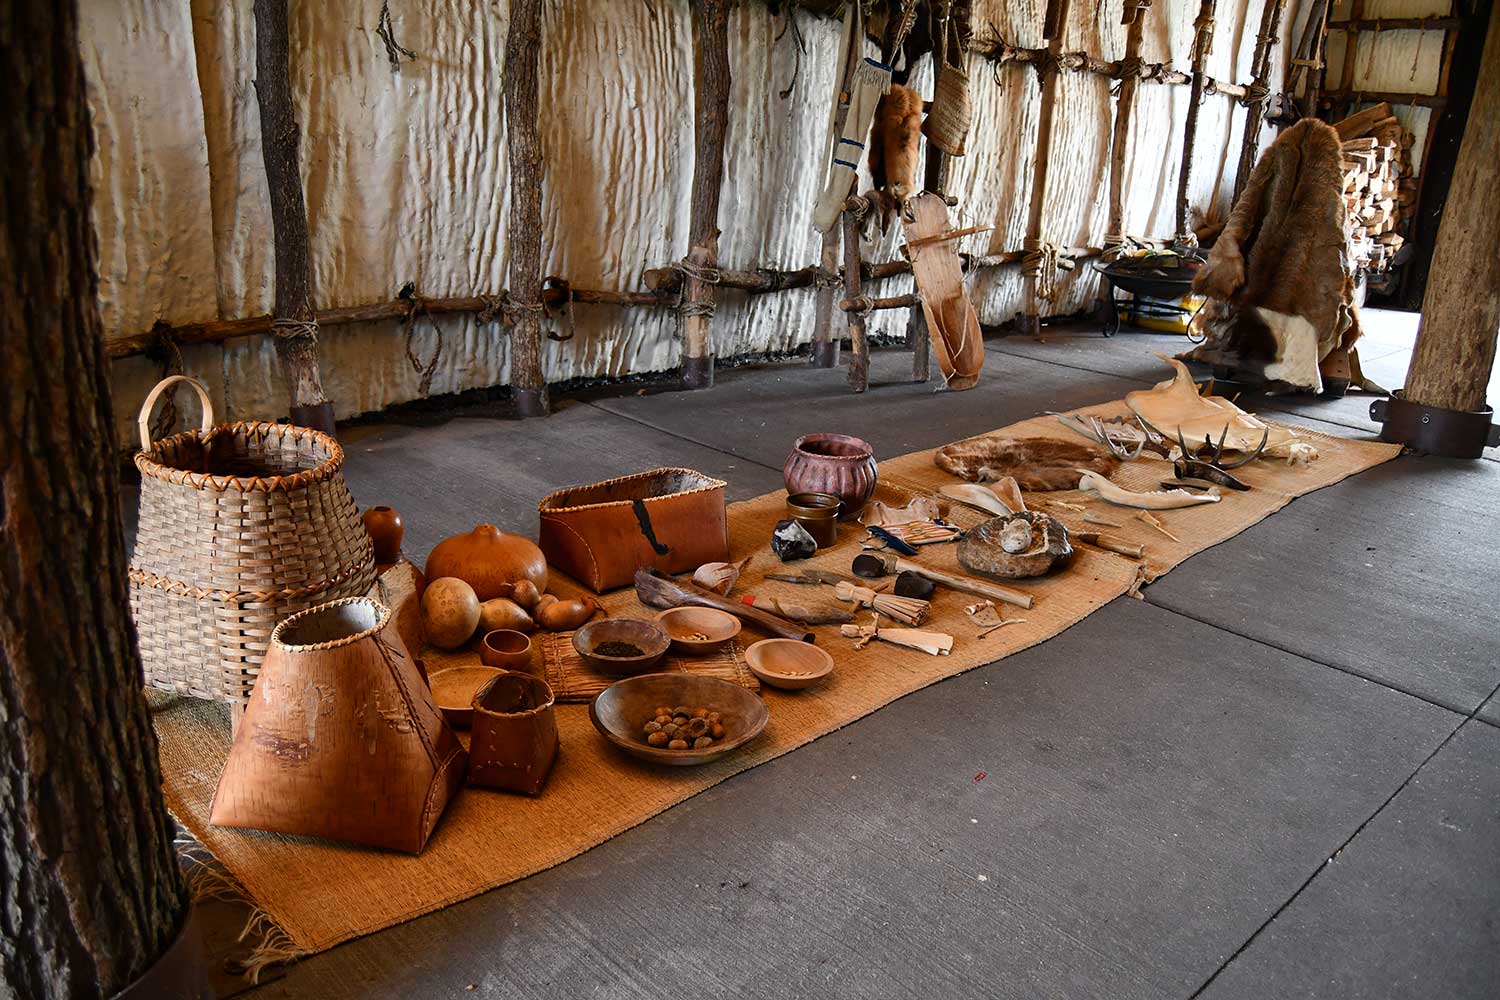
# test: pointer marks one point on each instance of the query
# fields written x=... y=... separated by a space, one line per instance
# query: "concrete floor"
x=1278 y=776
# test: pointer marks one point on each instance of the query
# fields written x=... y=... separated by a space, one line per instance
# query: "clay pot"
x=383 y=525
x=506 y=649
x=340 y=738
x=515 y=734
x=489 y=560
x=832 y=463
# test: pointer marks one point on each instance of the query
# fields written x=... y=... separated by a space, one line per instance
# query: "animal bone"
x=1175 y=405
x=1093 y=518
x=1149 y=518
x=976 y=496
x=1097 y=486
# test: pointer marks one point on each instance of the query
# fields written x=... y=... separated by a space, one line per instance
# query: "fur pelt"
x=1282 y=296
x=894 y=147
x=1038 y=464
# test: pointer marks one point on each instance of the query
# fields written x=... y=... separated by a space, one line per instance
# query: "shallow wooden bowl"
x=623 y=708
x=788 y=663
x=681 y=624
x=644 y=635
x=453 y=691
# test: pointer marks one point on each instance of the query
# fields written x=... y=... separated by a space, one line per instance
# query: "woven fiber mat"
x=320 y=894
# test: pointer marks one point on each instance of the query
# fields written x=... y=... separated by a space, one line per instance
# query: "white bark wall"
x=406 y=178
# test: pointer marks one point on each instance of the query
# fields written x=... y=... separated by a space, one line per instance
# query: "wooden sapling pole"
x=825 y=348
x=859 y=357
x=710 y=121
x=524 y=156
x=1041 y=256
x=935 y=170
x=294 y=322
x=1130 y=78
x=1255 y=107
x=1203 y=38
x=92 y=891
x=1455 y=349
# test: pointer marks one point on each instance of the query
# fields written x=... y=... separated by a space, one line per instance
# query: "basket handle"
x=144 y=420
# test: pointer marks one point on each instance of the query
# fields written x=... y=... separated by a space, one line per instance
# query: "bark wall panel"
x=151 y=168
x=405 y=173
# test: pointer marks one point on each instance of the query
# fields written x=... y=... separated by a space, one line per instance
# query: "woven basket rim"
x=382 y=619
x=709 y=483
x=148 y=464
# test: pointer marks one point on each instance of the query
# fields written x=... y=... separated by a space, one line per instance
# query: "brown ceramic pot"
x=832 y=463
x=383 y=525
x=515 y=734
x=489 y=560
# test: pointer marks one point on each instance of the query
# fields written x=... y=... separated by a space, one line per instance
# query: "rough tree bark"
x=1455 y=349
x=710 y=122
x=1124 y=112
x=1030 y=320
x=1203 y=39
x=524 y=153
x=295 y=323
x=1255 y=110
x=90 y=891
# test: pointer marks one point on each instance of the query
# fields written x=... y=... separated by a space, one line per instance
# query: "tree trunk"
x=1203 y=39
x=295 y=323
x=1124 y=112
x=522 y=51
x=90 y=891
x=1455 y=350
x=1030 y=320
x=710 y=122
x=859 y=347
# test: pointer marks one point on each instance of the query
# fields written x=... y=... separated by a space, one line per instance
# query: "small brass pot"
x=818 y=513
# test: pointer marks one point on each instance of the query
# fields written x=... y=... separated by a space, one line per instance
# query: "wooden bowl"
x=453 y=691
x=643 y=635
x=623 y=708
x=507 y=649
x=788 y=663
x=681 y=624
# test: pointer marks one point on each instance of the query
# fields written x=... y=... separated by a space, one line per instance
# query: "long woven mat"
x=321 y=894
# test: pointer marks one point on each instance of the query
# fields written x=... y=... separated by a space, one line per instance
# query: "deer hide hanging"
x=1281 y=296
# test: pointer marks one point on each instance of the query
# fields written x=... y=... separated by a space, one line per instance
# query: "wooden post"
x=825 y=348
x=92 y=891
x=859 y=356
x=1030 y=320
x=295 y=324
x=935 y=174
x=1203 y=39
x=710 y=121
x=1130 y=78
x=1255 y=109
x=524 y=157
x=1455 y=350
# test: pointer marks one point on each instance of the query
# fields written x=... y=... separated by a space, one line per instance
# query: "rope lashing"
x=494 y=308
x=1129 y=68
x=1117 y=245
x=707 y=275
x=295 y=329
x=1046 y=64
x=1203 y=32
x=416 y=304
x=1040 y=262
x=1255 y=95
x=696 y=309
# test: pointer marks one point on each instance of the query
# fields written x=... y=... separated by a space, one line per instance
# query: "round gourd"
x=450 y=612
x=490 y=561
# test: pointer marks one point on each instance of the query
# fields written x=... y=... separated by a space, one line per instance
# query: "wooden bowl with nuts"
x=698 y=630
x=706 y=718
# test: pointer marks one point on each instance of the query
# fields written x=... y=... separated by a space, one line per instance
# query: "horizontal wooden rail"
x=1397 y=24
x=1330 y=97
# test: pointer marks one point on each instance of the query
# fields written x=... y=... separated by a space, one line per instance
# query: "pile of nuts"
x=683 y=728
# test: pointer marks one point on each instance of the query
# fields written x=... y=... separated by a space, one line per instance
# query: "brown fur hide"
x=1038 y=464
x=893 y=151
x=1281 y=297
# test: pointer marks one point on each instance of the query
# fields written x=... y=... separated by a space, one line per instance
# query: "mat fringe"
x=208 y=880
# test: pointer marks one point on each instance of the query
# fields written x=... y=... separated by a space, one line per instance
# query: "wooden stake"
x=859 y=360
x=1455 y=349
x=294 y=321
x=522 y=47
x=1057 y=19
x=710 y=121
x=825 y=349
x=1124 y=111
x=1260 y=69
x=1203 y=38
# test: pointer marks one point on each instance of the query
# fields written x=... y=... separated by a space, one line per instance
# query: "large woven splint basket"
x=241 y=525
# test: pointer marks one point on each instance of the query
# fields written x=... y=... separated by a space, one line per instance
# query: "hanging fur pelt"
x=1036 y=464
x=894 y=150
x=1281 y=295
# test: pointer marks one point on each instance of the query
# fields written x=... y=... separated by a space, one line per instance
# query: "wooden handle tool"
x=1111 y=544
x=969 y=585
x=657 y=590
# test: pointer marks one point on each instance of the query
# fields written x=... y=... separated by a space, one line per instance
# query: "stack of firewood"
x=1379 y=190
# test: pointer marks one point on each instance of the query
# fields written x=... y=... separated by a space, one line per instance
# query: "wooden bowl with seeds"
x=698 y=630
x=787 y=663
x=620 y=710
x=621 y=646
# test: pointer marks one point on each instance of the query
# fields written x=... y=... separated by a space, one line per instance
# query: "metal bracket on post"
x=1433 y=430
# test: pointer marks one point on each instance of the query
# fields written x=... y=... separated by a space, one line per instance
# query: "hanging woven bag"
x=241 y=525
x=947 y=124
